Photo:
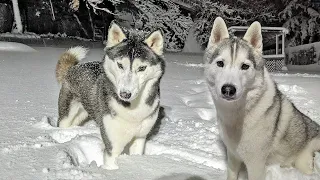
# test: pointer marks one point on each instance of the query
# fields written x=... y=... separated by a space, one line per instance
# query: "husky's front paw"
x=110 y=162
x=110 y=166
x=305 y=162
x=305 y=167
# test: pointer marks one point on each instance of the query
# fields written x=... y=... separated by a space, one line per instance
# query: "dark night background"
x=175 y=17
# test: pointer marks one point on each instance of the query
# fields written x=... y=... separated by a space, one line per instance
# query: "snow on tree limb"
x=242 y=13
x=75 y=5
x=167 y=17
x=94 y=4
x=313 y=12
x=301 y=20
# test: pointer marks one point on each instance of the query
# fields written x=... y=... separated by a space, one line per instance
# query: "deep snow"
x=187 y=145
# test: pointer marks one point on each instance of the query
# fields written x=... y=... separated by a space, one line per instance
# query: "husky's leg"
x=137 y=146
x=80 y=116
x=256 y=168
x=110 y=158
x=68 y=120
x=66 y=112
x=116 y=137
x=304 y=161
x=234 y=165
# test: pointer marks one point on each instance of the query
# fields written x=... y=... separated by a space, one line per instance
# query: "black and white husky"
x=258 y=124
x=121 y=93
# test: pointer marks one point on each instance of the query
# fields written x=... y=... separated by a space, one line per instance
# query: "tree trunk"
x=91 y=22
x=80 y=25
x=17 y=16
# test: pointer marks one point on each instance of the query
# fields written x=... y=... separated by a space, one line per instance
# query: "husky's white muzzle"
x=128 y=86
x=228 y=85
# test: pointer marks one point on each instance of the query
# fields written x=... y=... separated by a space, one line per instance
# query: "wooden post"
x=283 y=39
x=277 y=43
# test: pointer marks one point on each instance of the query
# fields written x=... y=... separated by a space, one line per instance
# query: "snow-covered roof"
x=264 y=29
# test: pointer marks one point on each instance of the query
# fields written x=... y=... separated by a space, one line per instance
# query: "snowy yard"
x=187 y=145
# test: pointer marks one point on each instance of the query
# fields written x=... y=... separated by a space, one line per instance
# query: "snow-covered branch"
x=301 y=20
x=167 y=17
x=75 y=5
x=94 y=4
x=243 y=13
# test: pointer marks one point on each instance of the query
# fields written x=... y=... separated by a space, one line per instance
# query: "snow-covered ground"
x=186 y=146
x=15 y=47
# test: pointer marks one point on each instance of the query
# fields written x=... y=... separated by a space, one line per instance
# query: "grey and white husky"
x=121 y=92
x=258 y=124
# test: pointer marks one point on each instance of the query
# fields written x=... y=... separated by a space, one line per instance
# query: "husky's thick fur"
x=121 y=92
x=258 y=124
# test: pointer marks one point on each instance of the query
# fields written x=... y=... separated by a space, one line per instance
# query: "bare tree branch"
x=80 y=24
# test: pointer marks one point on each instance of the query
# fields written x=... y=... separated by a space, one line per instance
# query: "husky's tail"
x=68 y=59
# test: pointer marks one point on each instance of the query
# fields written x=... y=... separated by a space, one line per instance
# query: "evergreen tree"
x=165 y=15
x=235 y=13
x=302 y=21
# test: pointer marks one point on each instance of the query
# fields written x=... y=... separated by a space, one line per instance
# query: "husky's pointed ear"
x=155 y=41
x=115 y=35
x=219 y=32
x=253 y=36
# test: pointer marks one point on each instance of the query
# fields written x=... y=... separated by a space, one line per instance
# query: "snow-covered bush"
x=155 y=14
x=302 y=21
x=206 y=17
x=234 y=13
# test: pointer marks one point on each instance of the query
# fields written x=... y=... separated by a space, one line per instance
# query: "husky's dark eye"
x=142 y=68
x=245 y=67
x=120 y=66
x=220 y=63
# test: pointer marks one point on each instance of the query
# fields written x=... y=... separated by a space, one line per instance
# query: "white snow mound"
x=15 y=47
x=83 y=150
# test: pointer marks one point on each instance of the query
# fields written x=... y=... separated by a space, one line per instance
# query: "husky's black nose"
x=228 y=91
x=125 y=95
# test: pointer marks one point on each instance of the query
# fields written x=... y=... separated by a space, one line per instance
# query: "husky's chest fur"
x=135 y=120
x=132 y=122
